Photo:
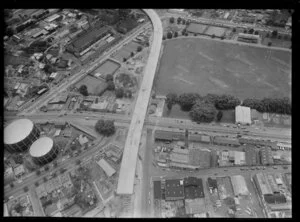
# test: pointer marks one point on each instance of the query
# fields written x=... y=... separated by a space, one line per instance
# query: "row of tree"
x=206 y=108
x=270 y=105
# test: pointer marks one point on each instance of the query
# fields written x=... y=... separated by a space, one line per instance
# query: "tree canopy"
x=119 y=92
x=187 y=100
x=83 y=90
x=110 y=85
x=203 y=112
x=171 y=100
x=105 y=127
x=109 y=77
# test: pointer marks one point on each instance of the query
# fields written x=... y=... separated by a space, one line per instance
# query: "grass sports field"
x=208 y=66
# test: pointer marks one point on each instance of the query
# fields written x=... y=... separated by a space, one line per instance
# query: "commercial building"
x=242 y=115
x=226 y=141
x=19 y=170
x=19 y=135
x=109 y=171
x=43 y=150
x=174 y=190
x=237 y=157
x=239 y=185
x=52 y=18
x=199 y=138
x=212 y=183
x=284 y=146
x=266 y=157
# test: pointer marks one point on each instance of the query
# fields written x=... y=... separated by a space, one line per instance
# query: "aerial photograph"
x=147 y=113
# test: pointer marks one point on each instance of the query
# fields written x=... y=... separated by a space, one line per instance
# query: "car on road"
x=274 y=167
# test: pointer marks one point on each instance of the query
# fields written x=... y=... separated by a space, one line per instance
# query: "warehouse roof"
x=174 y=188
x=243 y=115
x=157 y=189
x=17 y=131
x=106 y=167
x=263 y=184
x=239 y=185
x=41 y=147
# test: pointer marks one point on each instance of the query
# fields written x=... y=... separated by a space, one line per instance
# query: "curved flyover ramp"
x=129 y=160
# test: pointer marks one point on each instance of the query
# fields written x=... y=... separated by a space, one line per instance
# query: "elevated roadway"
x=129 y=160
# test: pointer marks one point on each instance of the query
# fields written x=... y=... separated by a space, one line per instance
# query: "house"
x=83 y=139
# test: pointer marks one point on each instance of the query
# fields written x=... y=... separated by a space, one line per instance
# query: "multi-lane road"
x=281 y=134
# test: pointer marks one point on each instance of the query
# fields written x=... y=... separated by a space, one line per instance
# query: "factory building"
x=242 y=115
x=266 y=157
x=169 y=135
x=43 y=151
x=226 y=141
x=20 y=134
x=239 y=185
x=174 y=190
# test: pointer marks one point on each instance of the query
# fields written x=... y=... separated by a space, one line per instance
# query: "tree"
x=172 y=20
x=195 y=34
x=55 y=164
x=106 y=128
x=268 y=35
x=83 y=90
x=171 y=100
x=124 y=59
x=245 y=31
x=62 y=170
x=183 y=21
x=179 y=20
x=256 y=32
x=251 y=31
x=234 y=30
x=128 y=94
x=36 y=183
x=187 y=100
x=139 y=48
x=269 y=43
x=203 y=112
x=225 y=102
x=110 y=86
x=169 y=35
x=73 y=28
x=38 y=172
x=132 y=54
x=219 y=115
x=274 y=33
x=164 y=37
x=45 y=179
x=109 y=77
x=222 y=37
x=213 y=36
x=175 y=34
x=279 y=36
x=25 y=189
x=78 y=162
x=46 y=168
x=11 y=185
x=183 y=32
x=119 y=92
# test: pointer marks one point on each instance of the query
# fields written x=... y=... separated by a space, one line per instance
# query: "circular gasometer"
x=43 y=150
x=19 y=135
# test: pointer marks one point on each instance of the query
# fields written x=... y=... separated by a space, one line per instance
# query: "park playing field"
x=208 y=66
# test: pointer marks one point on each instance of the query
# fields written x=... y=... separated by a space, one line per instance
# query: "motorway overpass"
x=129 y=160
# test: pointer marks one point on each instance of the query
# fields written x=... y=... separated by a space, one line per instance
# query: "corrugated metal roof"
x=239 y=185
x=106 y=167
x=243 y=115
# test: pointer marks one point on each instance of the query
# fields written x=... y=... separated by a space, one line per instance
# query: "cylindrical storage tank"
x=43 y=150
x=20 y=134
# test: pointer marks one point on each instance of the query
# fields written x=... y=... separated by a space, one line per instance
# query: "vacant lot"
x=108 y=67
x=217 y=31
x=126 y=51
x=196 y=28
x=95 y=86
x=207 y=66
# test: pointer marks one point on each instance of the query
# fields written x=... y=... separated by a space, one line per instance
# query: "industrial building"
x=257 y=142
x=193 y=188
x=157 y=190
x=169 y=135
x=239 y=185
x=199 y=138
x=242 y=115
x=252 y=156
x=20 y=134
x=43 y=150
x=243 y=37
x=109 y=171
x=226 y=141
x=174 y=190
x=262 y=184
